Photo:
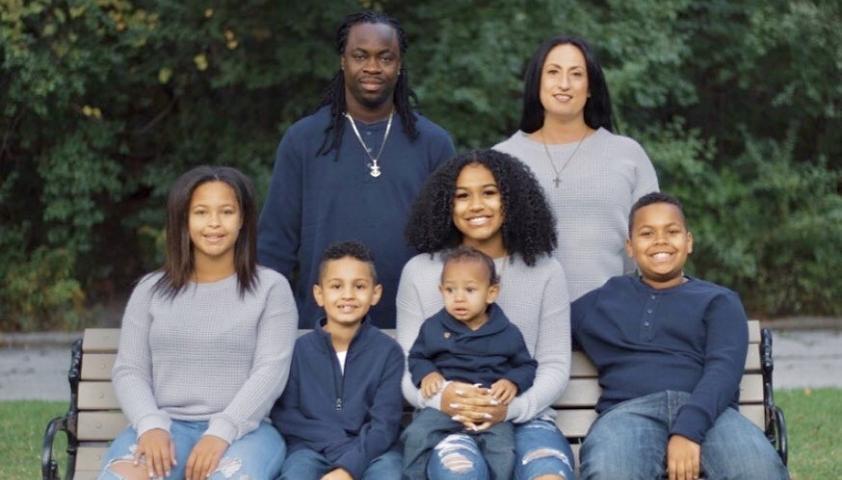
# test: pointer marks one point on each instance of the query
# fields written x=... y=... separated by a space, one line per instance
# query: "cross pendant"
x=557 y=181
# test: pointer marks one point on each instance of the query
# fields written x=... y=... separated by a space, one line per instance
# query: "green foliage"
x=104 y=102
x=23 y=424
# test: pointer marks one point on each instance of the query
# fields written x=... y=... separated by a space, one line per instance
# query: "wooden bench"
x=94 y=417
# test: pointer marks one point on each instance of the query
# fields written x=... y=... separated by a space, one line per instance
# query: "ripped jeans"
x=540 y=449
x=430 y=428
x=258 y=455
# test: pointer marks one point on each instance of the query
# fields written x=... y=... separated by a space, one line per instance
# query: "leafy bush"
x=104 y=102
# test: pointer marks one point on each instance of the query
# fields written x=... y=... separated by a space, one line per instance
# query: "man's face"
x=370 y=63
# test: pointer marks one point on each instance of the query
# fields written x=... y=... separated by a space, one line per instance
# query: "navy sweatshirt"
x=315 y=200
x=495 y=350
x=690 y=338
x=353 y=418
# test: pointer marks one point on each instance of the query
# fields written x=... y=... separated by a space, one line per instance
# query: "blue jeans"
x=306 y=464
x=540 y=449
x=257 y=455
x=430 y=426
x=630 y=439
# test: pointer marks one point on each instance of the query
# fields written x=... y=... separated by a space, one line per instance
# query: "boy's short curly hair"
x=655 y=197
x=352 y=249
x=528 y=221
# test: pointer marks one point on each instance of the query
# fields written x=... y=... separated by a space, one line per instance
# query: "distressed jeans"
x=431 y=426
x=540 y=449
x=629 y=441
x=258 y=455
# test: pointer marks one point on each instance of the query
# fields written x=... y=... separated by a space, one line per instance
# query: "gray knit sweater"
x=534 y=299
x=205 y=355
x=598 y=187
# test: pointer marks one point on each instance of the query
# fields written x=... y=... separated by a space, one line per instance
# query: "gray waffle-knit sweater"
x=598 y=187
x=535 y=300
x=206 y=355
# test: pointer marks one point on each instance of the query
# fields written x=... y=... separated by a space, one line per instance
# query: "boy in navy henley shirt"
x=670 y=351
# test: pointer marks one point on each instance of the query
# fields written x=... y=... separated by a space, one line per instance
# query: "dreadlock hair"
x=334 y=96
x=528 y=221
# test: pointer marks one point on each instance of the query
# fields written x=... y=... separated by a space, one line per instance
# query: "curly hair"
x=347 y=249
x=528 y=221
x=465 y=254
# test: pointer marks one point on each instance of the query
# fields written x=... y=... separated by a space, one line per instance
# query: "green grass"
x=22 y=425
x=813 y=417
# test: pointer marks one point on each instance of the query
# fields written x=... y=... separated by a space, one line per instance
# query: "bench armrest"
x=49 y=466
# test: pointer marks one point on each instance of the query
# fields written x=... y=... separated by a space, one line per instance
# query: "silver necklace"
x=557 y=179
x=373 y=165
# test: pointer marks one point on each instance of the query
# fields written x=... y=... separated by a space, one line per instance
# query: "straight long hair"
x=597 y=106
x=179 y=264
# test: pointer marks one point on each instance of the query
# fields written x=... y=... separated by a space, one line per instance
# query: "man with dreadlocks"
x=351 y=170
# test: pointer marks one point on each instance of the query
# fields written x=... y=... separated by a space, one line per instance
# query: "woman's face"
x=564 y=83
x=478 y=210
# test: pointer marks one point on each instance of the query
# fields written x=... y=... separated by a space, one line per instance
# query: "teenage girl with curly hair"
x=492 y=202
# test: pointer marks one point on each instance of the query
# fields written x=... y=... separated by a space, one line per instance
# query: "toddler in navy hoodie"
x=341 y=409
x=471 y=341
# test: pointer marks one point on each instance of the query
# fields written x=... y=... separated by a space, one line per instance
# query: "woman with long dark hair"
x=205 y=344
x=590 y=175
x=491 y=202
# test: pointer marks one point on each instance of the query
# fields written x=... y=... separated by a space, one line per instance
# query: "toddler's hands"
x=504 y=391
x=337 y=474
x=431 y=384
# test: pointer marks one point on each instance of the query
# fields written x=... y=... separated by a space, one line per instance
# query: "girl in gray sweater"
x=590 y=175
x=205 y=344
x=490 y=201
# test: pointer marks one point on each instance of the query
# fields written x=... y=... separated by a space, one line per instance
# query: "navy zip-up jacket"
x=353 y=418
x=495 y=350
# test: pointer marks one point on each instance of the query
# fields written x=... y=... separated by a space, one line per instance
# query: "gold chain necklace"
x=557 y=179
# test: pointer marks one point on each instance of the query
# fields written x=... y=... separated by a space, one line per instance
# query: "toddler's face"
x=467 y=291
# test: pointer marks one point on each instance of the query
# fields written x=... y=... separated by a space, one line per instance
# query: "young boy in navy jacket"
x=341 y=409
x=670 y=350
x=469 y=340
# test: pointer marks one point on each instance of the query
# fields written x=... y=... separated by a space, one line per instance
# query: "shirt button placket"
x=647 y=329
